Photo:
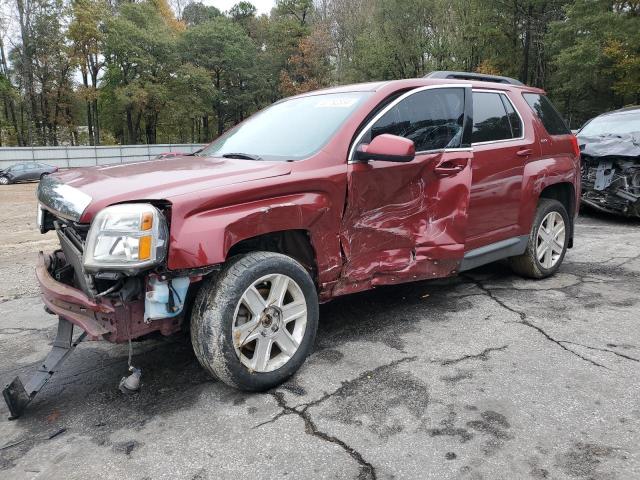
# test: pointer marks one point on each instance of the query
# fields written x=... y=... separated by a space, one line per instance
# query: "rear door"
x=32 y=171
x=502 y=145
x=407 y=221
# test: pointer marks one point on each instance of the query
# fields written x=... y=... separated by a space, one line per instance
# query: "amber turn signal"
x=147 y=221
x=144 y=248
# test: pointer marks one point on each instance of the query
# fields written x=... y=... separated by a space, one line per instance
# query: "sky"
x=263 y=6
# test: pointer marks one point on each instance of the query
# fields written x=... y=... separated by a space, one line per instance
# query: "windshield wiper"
x=242 y=156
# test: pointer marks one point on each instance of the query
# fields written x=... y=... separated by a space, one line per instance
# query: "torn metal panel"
x=611 y=173
x=620 y=145
x=106 y=318
x=16 y=395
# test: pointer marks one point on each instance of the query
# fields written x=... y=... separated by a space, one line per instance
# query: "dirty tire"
x=527 y=264
x=212 y=319
x=43 y=175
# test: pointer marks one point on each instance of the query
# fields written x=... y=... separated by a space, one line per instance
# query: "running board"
x=18 y=396
x=494 y=252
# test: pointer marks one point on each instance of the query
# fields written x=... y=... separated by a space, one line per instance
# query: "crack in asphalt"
x=526 y=322
x=17 y=330
x=367 y=470
x=18 y=296
x=484 y=355
x=599 y=349
x=610 y=259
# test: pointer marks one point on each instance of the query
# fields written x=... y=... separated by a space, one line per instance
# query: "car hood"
x=627 y=145
x=78 y=194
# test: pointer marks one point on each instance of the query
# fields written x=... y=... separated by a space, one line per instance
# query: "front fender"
x=205 y=238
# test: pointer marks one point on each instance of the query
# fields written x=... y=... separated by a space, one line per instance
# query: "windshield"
x=289 y=130
x=621 y=124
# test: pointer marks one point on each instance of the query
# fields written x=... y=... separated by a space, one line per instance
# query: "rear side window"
x=431 y=118
x=514 y=118
x=490 y=118
x=547 y=113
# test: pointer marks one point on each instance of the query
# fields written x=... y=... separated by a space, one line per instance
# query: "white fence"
x=71 y=157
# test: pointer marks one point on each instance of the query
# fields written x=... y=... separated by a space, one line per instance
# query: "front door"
x=19 y=172
x=407 y=221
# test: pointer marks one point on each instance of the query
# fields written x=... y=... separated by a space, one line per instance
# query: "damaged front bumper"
x=110 y=318
x=612 y=184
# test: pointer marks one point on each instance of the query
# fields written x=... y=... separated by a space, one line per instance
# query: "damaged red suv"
x=320 y=195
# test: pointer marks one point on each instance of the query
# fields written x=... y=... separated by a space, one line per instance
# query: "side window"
x=490 y=119
x=547 y=113
x=431 y=118
x=514 y=118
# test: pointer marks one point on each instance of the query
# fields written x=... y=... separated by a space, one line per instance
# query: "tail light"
x=576 y=147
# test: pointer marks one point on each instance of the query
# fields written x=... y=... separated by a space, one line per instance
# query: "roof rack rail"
x=480 y=77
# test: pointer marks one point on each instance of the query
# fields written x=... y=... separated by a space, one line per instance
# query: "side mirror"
x=387 y=148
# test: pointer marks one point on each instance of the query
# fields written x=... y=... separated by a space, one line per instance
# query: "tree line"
x=116 y=71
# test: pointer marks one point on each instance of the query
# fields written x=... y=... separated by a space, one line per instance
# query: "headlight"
x=126 y=237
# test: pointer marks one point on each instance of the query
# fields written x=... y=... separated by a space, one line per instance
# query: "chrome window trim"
x=382 y=112
x=503 y=140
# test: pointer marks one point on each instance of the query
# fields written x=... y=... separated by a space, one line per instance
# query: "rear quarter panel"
x=556 y=164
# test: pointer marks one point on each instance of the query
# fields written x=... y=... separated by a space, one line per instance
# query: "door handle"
x=524 y=153
x=447 y=168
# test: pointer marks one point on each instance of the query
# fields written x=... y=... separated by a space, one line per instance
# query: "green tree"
x=197 y=13
x=41 y=62
x=223 y=49
x=242 y=11
x=86 y=32
x=140 y=57
x=595 y=51
x=10 y=98
x=192 y=93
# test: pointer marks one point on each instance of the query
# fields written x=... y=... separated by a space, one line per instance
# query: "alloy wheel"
x=269 y=323
x=550 y=240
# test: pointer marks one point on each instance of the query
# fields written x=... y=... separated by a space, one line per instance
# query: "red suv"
x=320 y=195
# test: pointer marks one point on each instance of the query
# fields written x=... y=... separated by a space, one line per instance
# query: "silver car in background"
x=25 y=172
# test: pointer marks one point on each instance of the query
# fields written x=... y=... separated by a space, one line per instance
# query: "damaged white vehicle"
x=610 y=151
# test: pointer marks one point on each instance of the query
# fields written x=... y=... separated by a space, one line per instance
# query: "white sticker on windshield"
x=339 y=102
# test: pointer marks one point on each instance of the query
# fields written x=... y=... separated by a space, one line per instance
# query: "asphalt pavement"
x=485 y=376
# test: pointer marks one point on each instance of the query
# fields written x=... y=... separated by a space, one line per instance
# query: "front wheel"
x=548 y=241
x=4 y=181
x=254 y=324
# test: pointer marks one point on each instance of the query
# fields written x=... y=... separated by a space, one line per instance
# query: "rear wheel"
x=43 y=175
x=548 y=241
x=254 y=324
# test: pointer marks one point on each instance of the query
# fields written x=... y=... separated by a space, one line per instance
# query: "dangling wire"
x=128 y=334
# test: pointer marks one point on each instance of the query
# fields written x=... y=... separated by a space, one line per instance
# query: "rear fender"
x=539 y=175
